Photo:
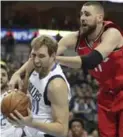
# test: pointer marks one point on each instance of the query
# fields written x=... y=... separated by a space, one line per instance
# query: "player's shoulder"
x=112 y=32
x=57 y=83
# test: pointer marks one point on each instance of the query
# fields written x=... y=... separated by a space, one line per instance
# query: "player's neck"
x=93 y=36
x=52 y=66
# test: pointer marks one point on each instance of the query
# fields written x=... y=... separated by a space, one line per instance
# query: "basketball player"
x=49 y=91
x=7 y=130
x=100 y=45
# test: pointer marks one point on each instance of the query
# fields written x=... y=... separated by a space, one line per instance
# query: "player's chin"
x=85 y=28
x=38 y=69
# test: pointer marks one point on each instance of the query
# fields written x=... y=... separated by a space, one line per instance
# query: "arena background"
x=22 y=21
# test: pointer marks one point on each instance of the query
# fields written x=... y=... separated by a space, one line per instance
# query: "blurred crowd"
x=55 y=23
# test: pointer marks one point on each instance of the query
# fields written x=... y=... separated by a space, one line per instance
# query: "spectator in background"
x=9 y=43
x=94 y=133
x=76 y=127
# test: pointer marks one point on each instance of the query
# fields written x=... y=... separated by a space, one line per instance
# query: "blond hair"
x=45 y=40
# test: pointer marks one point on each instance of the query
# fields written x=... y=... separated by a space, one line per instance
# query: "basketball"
x=15 y=100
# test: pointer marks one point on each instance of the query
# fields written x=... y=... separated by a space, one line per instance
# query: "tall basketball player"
x=49 y=91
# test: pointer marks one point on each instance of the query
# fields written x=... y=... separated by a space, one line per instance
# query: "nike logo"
x=81 y=47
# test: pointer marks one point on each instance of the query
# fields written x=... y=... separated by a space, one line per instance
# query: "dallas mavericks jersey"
x=41 y=108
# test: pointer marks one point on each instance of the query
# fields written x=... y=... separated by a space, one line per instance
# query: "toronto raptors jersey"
x=109 y=73
x=41 y=106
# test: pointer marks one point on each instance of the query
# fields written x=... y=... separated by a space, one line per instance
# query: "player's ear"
x=53 y=56
x=100 y=18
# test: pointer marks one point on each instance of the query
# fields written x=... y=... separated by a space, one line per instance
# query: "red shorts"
x=110 y=114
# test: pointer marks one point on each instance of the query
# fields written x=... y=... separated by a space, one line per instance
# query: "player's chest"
x=36 y=88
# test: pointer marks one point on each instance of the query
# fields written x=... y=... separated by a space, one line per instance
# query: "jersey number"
x=35 y=106
x=99 y=67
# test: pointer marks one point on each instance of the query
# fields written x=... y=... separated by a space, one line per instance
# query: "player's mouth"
x=84 y=25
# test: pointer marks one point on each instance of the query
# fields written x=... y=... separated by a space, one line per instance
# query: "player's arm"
x=16 y=77
x=110 y=41
x=69 y=41
x=58 y=96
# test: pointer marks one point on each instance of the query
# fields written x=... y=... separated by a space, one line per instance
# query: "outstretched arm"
x=16 y=77
x=72 y=62
x=67 y=42
x=90 y=61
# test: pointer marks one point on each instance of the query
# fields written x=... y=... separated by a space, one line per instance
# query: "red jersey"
x=109 y=73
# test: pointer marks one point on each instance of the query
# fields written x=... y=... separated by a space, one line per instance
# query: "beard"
x=87 y=29
x=42 y=71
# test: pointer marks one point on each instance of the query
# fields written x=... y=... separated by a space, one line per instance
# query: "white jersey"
x=7 y=130
x=38 y=90
x=3 y=121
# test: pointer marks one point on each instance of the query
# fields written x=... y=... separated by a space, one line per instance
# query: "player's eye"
x=33 y=55
x=87 y=14
x=41 y=55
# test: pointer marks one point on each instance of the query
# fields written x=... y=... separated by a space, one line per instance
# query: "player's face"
x=41 y=60
x=77 y=129
x=88 y=19
x=3 y=78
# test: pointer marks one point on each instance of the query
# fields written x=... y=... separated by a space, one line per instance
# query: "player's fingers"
x=15 y=90
x=11 y=85
x=20 y=84
x=9 y=91
x=18 y=114
x=18 y=126
x=15 y=118
x=29 y=111
x=11 y=121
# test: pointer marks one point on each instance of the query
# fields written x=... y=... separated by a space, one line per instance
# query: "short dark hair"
x=96 y=4
x=76 y=120
x=93 y=3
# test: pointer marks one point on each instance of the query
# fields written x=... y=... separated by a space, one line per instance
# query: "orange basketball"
x=15 y=100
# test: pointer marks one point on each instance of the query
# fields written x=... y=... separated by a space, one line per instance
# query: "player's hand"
x=21 y=121
x=14 y=123
x=15 y=80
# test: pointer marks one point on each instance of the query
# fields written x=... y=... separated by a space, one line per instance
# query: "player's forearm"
x=61 y=50
x=72 y=62
x=54 y=129
x=26 y=67
x=22 y=69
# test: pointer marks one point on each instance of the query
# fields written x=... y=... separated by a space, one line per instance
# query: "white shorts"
x=11 y=132
x=32 y=132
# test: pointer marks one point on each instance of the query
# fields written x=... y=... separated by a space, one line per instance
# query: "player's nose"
x=37 y=61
